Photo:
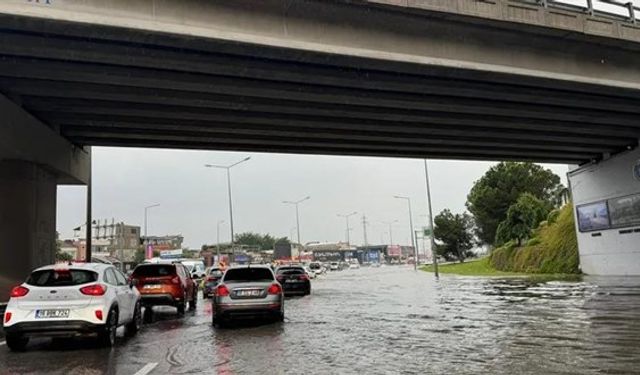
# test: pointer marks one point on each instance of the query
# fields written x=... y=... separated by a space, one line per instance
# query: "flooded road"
x=383 y=321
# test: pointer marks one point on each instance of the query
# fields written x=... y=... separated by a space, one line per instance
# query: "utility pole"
x=390 y=224
x=364 y=228
x=218 y=238
x=413 y=242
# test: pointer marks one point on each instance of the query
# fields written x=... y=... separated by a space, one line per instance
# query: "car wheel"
x=17 y=343
x=107 y=337
x=193 y=302
x=281 y=316
x=134 y=325
x=182 y=305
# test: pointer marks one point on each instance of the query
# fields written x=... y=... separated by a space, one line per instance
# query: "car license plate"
x=249 y=293
x=291 y=281
x=53 y=313
x=151 y=286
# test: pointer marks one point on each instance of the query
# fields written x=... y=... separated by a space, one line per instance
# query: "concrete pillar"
x=27 y=221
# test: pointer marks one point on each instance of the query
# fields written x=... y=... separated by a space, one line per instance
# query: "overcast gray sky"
x=193 y=198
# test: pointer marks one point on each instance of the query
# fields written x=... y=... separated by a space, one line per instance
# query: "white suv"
x=75 y=299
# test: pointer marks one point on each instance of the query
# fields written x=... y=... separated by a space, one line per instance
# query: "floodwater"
x=384 y=321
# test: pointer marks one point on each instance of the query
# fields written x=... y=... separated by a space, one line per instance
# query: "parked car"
x=294 y=280
x=248 y=292
x=211 y=280
x=71 y=300
x=334 y=266
x=354 y=264
x=165 y=285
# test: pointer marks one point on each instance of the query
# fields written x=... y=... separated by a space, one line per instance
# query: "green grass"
x=479 y=267
x=482 y=267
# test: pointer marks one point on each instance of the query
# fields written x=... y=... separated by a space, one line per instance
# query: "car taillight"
x=211 y=278
x=175 y=280
x=222 y=291
x=303 y=277
x=280 y=278
x=94 y=290
x=274 y=289
x=18 y=292
x=7 y=316
x=99 y=314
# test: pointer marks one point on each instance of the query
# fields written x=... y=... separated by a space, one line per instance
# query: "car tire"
x=17 y=343
x=182 y=305
x=147 y=317
x=281 y=317
x=194 y=301
x=136 y=323
x=107 y=336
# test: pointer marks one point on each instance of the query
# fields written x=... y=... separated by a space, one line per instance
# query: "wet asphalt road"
x=382 y=321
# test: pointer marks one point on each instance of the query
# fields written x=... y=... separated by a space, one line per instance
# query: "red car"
x=165 y=285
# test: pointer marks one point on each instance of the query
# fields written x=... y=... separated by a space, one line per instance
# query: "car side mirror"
x=133 y=283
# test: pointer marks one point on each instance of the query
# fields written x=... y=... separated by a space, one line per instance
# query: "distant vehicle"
x=312 y=275
x=317 y=267
x=354 y=264
x=196 y=268
x=375 y=264
x=334 y=266
x=294 y=280
x=211 y=280
x=248 y=292
x=71 y=300
x=165 y=285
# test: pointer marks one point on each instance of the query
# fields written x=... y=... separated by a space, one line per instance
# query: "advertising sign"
x=394 y=250
x=149 y=252
x=171 y=254
x=593 y=216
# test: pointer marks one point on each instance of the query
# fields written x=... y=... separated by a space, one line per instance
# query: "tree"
x=500 y=188
x=522 y=217
x=454 y=232
x=261 y=241
x=60 y=255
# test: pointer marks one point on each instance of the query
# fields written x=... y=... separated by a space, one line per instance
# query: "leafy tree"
x=454 y=232
x=60 y=255
x=502 y=185
x=522 y=217
x=261 y=241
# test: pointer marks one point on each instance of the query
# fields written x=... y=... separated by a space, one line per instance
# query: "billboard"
x=327 y=256
x=593 y=216
x=394 y=251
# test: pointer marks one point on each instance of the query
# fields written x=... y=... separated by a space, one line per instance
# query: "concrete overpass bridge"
x=450 y=79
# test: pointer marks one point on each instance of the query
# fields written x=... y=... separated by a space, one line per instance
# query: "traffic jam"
x=74 y=299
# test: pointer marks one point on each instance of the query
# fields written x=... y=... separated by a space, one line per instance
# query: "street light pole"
x=390 y=224
x=218 y=238
x=346 y=217
x=228 y=169
x=146 y=210
x=413 y=241
x=433 y=241
x=296 y=203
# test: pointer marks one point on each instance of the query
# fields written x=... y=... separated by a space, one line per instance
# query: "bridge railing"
x=618 y=9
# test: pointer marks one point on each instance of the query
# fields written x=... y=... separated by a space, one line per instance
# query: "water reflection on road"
x=386 y=320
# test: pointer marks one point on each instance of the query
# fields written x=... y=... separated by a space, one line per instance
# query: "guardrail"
x=623 y=10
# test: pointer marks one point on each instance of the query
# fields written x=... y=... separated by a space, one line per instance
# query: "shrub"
x=554 y=250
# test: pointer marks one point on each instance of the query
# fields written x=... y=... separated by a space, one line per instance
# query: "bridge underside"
x=109 y=86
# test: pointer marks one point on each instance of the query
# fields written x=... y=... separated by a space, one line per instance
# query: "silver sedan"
x=248 y=292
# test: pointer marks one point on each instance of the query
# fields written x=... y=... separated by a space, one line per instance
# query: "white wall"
x=607 y=252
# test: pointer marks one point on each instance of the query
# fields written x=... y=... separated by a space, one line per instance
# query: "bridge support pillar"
x=34 y=159
x=606 y=196
x=27 y=221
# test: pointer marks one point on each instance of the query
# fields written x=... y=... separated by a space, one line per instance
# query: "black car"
x=294 y=280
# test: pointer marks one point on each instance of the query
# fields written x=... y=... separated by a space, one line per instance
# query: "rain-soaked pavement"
x=383 y=321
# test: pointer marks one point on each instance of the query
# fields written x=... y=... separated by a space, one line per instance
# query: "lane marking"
x=147 y=368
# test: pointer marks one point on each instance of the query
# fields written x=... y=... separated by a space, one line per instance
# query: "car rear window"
x=62 y=277
x=247 y=274
x=156 y=270
x=290 y=271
